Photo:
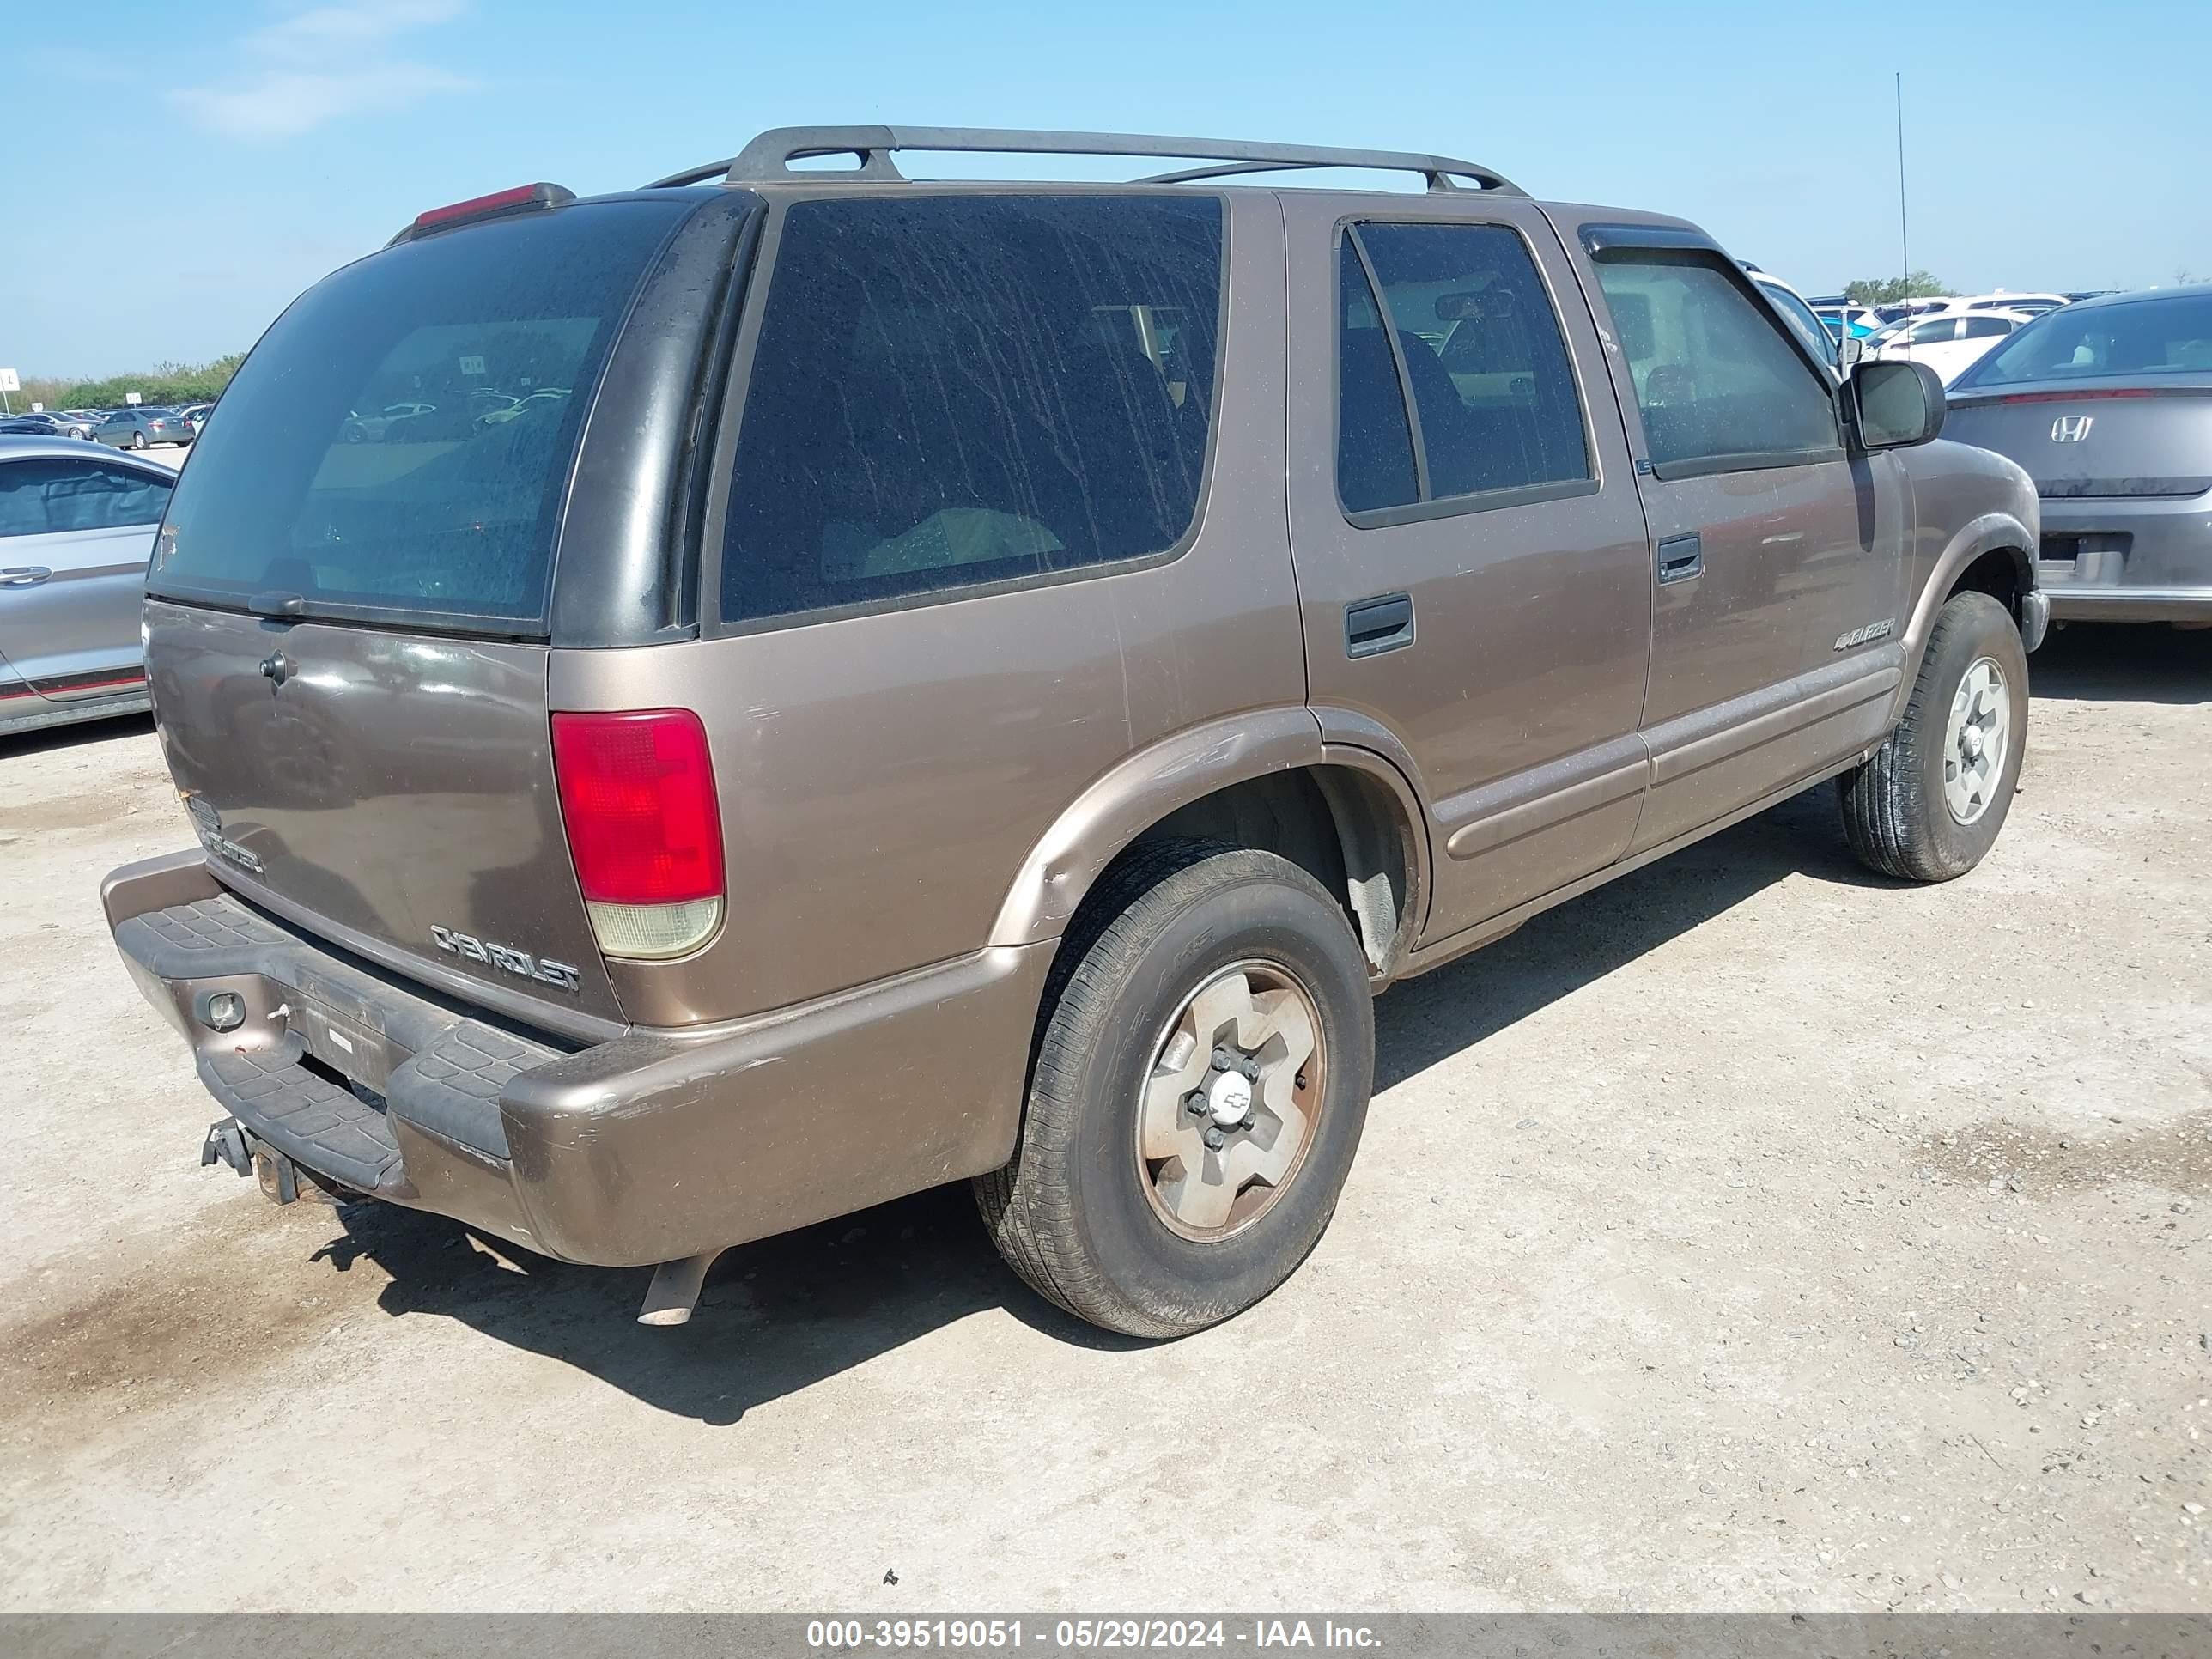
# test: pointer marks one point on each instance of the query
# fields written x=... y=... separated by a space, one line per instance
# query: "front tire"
x=1156 y=1189
x=1927 y=805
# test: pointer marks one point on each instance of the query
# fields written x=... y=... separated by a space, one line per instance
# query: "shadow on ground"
x=784 y=1313
x=83 y=734
x=2117 y=662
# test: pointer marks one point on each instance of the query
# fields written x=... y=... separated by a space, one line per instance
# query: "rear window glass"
x=400 y=440
x=2141 y=337
x=950 y=390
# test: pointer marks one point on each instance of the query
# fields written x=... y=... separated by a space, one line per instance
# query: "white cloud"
x=322 y=65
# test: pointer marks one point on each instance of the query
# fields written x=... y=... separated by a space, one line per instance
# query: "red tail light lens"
x=637 y=799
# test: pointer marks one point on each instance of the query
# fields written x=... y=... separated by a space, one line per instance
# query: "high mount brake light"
x=523 y=198
x=644 y=828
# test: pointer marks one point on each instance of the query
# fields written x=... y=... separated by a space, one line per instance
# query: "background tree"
x=1889 y=290
x=164 y=383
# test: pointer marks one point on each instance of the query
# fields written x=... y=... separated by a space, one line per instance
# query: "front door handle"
x=1680 y=557
x=24 y=575
x=1384 y=623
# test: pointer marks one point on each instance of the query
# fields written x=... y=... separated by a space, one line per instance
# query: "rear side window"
x=1719 y=385
x=45 y=497
x=954 y=390
x=1473 y=346
x=492 y=337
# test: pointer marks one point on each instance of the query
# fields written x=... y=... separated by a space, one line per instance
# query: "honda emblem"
x=2071 y=429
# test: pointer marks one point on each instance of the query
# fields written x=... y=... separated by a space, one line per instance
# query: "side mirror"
x=1850 y=350
x=1895 y=404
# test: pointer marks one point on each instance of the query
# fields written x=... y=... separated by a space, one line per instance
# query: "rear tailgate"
x=348 y=625
x=393 y=793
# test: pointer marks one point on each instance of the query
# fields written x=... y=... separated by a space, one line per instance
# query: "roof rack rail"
x=768 y=157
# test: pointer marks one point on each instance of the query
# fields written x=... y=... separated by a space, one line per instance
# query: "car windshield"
x=2167 y=336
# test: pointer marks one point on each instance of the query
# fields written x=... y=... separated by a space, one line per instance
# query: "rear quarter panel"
x=885 y=777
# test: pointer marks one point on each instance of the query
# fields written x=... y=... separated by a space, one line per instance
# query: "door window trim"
x=1447 y=507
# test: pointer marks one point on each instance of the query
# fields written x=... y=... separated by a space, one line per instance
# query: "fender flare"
x=1977 y=536
x=1137 y=793
x=1187 y=766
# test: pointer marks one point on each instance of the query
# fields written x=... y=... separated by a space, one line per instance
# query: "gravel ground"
x=1752 y=1234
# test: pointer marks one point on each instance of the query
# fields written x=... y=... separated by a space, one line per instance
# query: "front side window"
x=1720 y=387
x=48 y=497
x=951 y=391
x=1473 y=345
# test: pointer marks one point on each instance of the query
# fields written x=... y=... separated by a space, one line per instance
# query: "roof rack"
x=768 y=157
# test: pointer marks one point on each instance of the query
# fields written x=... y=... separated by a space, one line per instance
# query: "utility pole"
x=1904 y=230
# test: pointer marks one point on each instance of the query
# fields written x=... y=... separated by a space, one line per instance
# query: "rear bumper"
x=654 y=1146
x=2120 y=560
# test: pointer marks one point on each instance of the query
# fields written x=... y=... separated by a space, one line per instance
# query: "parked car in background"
x=80 y=422
x=76 y=530
x=32 y=426
x=2032 y=305
x=682 y=811
x=1949 y=341
x=143 y=427
x=1797 y=313
x=1845 y=320
x=194 y=415
x=1890 y=315
x=2108 y=405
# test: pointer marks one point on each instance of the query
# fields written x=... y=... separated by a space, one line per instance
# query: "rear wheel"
x=1201 y=1083
x=1927 y=805
x=137 y=440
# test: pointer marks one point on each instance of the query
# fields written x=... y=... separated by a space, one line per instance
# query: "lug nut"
x=1214 y=1139
x=1223 y=1060
x=1250 y=1067
x=1194 y=1102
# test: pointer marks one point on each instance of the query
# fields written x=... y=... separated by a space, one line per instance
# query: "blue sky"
x=175 y=172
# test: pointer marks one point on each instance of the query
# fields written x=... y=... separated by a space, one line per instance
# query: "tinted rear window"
x=950 y=390
x=313 y=483
x=2141 y=336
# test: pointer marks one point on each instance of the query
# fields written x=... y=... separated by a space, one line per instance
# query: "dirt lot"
x=1752 y=1234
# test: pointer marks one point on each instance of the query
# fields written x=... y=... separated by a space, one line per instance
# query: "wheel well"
x=1996 y=573
x=1340 y=826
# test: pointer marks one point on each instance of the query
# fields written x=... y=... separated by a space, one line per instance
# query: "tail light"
x=637 y=799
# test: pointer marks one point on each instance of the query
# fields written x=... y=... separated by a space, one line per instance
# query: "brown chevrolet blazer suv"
x=832 y=683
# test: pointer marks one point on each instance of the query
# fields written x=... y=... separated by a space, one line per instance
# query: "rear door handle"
x=24 y=575
x=1372 y=626
x=1680 y=557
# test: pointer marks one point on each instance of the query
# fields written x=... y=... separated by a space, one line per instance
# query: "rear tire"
x=137 y=440
x=1086 y=1213
x=1927 y=805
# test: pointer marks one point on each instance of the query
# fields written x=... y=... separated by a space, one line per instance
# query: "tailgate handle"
x=1375 y=625
x=1682 y=557
x=24 y=575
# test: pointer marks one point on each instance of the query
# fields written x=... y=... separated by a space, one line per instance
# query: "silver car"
x=142 y=429
x=2105 y=403
x=76 y=528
